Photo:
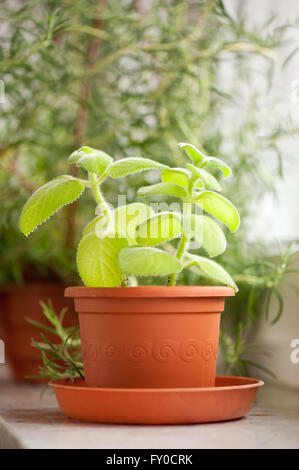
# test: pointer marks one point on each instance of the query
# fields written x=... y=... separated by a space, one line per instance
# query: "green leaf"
x=98 y=222
x=158 y=229
x=128 y=166
x=220 y=207
x=146 y=261
x=200 y=159
x=213 y=270
x=96 y=162
x=74 y=157
x=48 y=199
x=193 y=152
x=200 y=184
x=280 y=304
x=128 y=217
x=97 y=260
x=208 y=233
x=214 y=162
x=179 y=176
x=209 y=180
x=170 y=189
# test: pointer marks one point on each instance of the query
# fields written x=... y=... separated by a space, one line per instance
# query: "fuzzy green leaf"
x=214 y=162
x=74 y=157
x=170 y=189
x=128 y=166
x=96 y=162
x=220 y=207
x=213 y=270
x=200 y=184
x=96 y=223
x=48 y=199
x=97 y=260
x=209 y=180
x=158 y=229
x=128 y=217
x=193 y=152
x=179 y=176
x=146 y=261
x=208 y=233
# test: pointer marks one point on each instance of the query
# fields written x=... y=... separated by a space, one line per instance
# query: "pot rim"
x=249 y=382
x=149 y=291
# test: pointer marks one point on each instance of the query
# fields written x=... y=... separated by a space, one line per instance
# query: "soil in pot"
x=149 y=336
x=19 y=302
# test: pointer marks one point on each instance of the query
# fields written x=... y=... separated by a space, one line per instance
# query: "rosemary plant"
x=64 y=358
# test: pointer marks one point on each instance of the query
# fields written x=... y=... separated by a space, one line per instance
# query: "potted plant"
x=30 y=274
x=38 y=128
x=146 y=336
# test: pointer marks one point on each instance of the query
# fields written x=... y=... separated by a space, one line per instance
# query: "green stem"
x=182 y=248
x=193 y=180
x=100 y=199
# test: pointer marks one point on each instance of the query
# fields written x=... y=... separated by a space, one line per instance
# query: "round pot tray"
x=231 y=398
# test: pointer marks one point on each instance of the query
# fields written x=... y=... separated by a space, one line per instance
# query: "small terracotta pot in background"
x=149 y=336
x=19 y=302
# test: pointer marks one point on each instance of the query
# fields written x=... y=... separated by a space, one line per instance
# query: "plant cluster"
x=121 y=242
x=129 y=78
x=64 y=359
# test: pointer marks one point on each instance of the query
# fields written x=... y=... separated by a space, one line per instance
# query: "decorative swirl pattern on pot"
x=110 y=351
x=92 y=351
x=161 y=351
x=190 y=349
x=215 y=350
x=139 y=351
x=165 y=350
x=208 y=350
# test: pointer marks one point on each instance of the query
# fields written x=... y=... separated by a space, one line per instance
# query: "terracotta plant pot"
x=19 y=303
x=149 y=336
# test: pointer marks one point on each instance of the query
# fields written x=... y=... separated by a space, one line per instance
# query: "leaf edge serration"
x=51 y=215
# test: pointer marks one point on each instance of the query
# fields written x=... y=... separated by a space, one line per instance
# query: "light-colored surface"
x=273 y=423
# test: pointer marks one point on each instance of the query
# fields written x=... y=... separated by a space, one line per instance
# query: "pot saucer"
x=231 y=398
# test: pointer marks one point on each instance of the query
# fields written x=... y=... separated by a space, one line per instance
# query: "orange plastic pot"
x=19 y=302
x=149 y=336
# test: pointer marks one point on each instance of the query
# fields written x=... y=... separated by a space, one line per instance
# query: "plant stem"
x=183 y=246
x=100 y=199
